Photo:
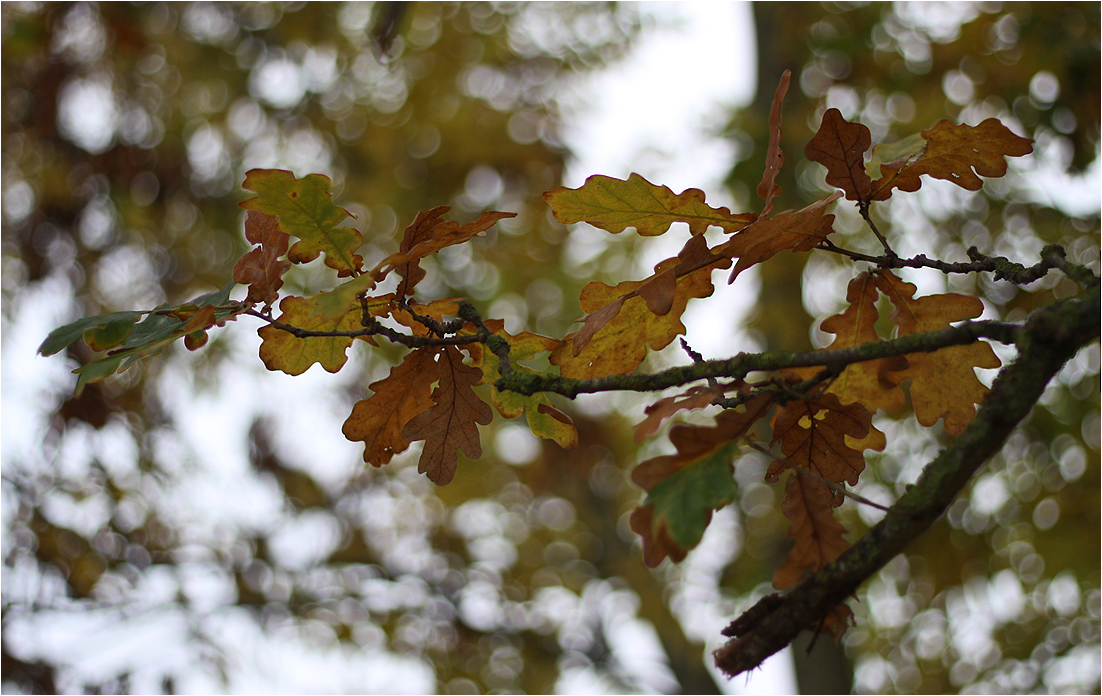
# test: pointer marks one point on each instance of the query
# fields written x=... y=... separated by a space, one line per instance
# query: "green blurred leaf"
x=61 y=337
x=683 y=502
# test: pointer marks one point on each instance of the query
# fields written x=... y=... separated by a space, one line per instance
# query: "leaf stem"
x=863 y=207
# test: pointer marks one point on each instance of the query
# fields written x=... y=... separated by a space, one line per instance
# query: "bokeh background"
x=199 y=524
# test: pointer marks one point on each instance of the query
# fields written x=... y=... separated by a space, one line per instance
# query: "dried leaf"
x=448 y=427
x=378 y=420
x=943 y=383
x=614 y=205
x=426 y=235
x=262 y=268
x=799 y=230
x=956 y=153
x=809 y=503
x=694 y=398
x=840 y=147
x=306 y=210
x=813 y=434
x=774 y=156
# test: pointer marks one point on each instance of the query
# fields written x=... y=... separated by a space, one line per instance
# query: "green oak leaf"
x=683 y=502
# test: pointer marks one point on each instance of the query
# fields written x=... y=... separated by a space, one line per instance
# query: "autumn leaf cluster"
x=813 y=416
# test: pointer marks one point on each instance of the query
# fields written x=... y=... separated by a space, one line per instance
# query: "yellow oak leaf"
x=614 y=205
x=621 y=343
x=544 y=420
x=337 y=310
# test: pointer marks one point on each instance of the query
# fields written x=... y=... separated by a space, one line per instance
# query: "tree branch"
x=744 y=363
x=1051 y=257
x=1050 y=337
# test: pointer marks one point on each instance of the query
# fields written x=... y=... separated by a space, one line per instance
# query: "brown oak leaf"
x=696 y=397
x=448 y=427
x=943 y=383
x=774 y=156
x=428 y=234
x=956 y=153
x=799 y=230
x=819 y=536
x=262 y=268
x=840 y=146
x=378 y=420
x=813 y=434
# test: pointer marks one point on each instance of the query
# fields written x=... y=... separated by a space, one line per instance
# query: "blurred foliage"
x=974 y=606
x=127 y=129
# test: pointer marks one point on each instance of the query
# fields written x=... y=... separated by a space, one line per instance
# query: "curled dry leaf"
x=426 y=235
x=799 y=230
x=774 y=156
x=262 y=268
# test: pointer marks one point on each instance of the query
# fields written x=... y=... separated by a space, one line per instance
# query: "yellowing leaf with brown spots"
x=614 y=205
x=943 y=383
x=306 y=210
